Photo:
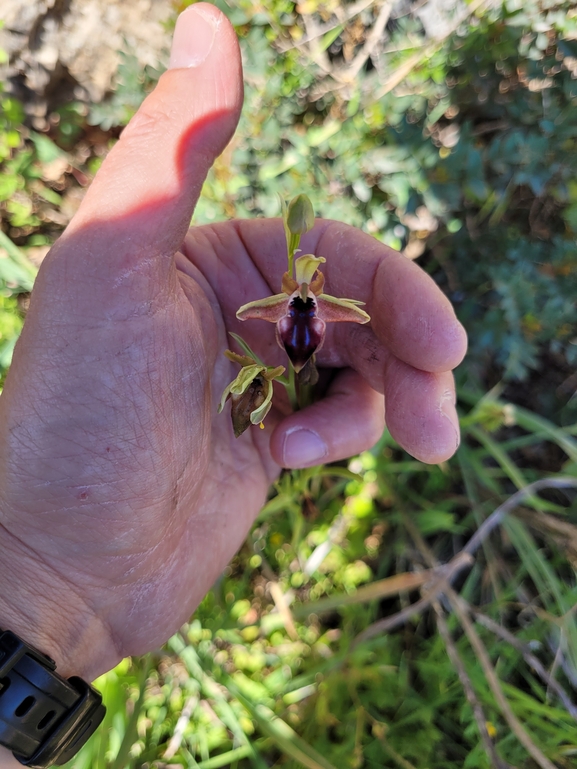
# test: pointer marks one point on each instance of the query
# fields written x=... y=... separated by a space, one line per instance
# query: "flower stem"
x=292 y=246
x=305 y=396
x=291 y=388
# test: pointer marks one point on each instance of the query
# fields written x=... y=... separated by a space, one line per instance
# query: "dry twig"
x=419 y=57
x=462 y=559
x=176 y=739
x=283 y=609
x=481 y=653
x=529 y=658
x=321 y=30
x=350 y=73
x=444 y=574
x=467 y=685
x=510 y=504
x=461 y=609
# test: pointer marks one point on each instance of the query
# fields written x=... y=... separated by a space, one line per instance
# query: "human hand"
x=122 y=493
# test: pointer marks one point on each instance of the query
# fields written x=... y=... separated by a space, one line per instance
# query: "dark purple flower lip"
x=300 y=332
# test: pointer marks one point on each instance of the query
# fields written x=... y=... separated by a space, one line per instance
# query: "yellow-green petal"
x=224 y=397
x=240 y=383
x=244 y=378
x=306 y=266
x=258 y=415
x=272 y=308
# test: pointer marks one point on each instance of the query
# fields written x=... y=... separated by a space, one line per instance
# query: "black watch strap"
x=44 y=719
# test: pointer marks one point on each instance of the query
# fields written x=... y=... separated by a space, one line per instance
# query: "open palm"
x=124 y=494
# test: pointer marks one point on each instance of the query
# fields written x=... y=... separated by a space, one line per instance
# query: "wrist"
x=41 y=607
x=44 y=718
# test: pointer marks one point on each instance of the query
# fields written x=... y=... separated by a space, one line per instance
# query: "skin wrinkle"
x=423 y=330
x=271 y=468
x=135 y=269
x=355 y=289
x=37 y=557
x=125 y=352
x=113 y=385
x=62 y=430
x=223 y=251
x=372 y=352
x=90 y=471
x=238 y=465
x=211 y=352
x=206 y=303
x=142 y=132
x=267 y=285
x=426 y=441
x=80 y=516
x=66 y=280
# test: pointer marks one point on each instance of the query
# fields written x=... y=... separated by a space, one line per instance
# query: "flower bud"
x=246 y=402
x=251 y=391
x=300 y=217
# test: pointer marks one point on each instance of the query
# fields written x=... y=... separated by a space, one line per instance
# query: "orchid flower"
x=250 y=393
x=302 y=311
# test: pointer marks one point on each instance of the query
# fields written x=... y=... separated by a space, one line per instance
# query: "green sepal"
x=242 y=360
x=273 y=373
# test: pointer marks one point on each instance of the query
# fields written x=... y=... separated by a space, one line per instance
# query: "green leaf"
x=46 y=150
x=282 y=734
x=16 y=268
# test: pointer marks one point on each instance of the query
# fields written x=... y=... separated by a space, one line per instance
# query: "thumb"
x=151 y=180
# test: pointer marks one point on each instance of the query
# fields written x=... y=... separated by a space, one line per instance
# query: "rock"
x=437 y=16
x=59 y=49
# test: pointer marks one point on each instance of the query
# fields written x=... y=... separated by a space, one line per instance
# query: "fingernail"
x=303 y=448
x=193 y=38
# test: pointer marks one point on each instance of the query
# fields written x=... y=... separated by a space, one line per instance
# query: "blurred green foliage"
x=462 y=150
